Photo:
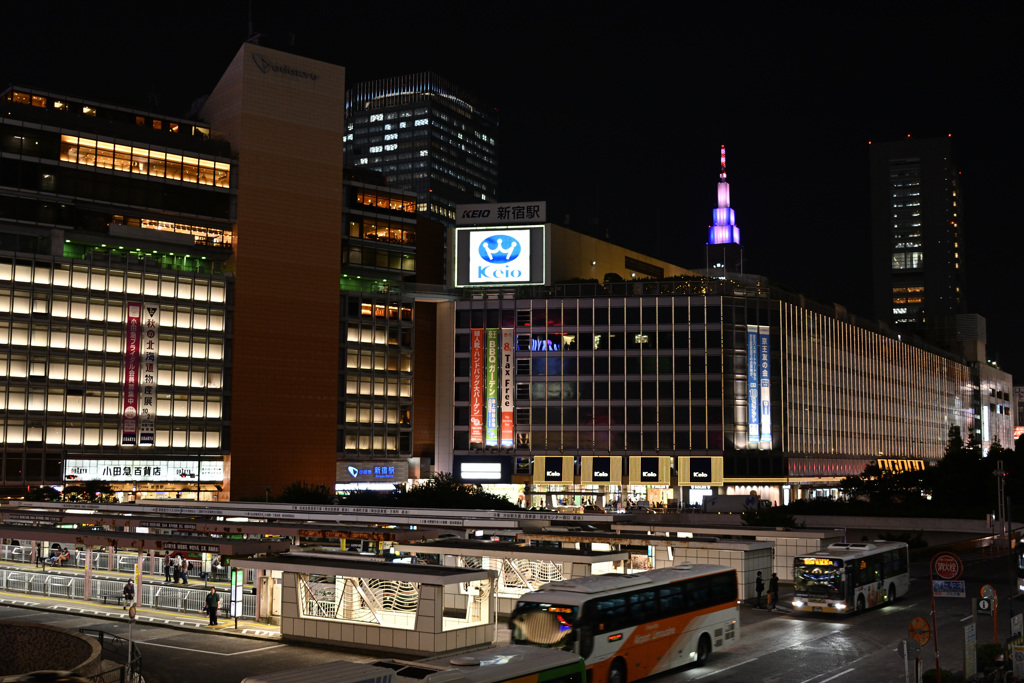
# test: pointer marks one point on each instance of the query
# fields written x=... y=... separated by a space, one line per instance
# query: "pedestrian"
x=773 y=592
x=168 y=561
x=758 y=588
x=212 y=605
x=177 y=568
x=184 y=570
x=129 y=593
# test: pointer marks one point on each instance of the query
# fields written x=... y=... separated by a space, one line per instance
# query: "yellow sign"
x=900 y=465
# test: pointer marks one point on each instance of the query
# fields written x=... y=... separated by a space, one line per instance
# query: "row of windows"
x=386 y=200
x=364 y=227
x=72 y=107
x=383 y=444
x=372 y=334
x=102 y=310
x=371 y=386
x=131 y=159
x=607 y=440
x=75 y=370
x=380 y=258
x=115 y=281
x=375 y=360
x=20 y=334
x=13 y=432
x=109 y=403
x=369 y=413
x=617 y=612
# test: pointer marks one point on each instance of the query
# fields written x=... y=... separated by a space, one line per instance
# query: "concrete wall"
x=37 y=647
x=428 y=638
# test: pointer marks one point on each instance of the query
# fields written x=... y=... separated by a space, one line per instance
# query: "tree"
x=442 y=490
x=307 y=494
x=43 y=494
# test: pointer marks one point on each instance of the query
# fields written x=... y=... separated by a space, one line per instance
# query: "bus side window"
x=610 y=613
x=699 y=593
x=671 y=599
x=643 y=606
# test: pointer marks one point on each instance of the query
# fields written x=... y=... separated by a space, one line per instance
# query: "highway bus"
x=630 y=626
x=851 y=577
x=504 y=664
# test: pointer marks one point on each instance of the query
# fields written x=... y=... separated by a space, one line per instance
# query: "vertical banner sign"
x=236 y=592
x=491 y=386
x=753 y=398
x=507 y=390
x=147 y=379
x=764 y=367
x=476 y=386
x=132 y=346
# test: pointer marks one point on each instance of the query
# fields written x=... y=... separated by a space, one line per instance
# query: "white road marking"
x=841 y=673
x=718 y=671
x=208 y=652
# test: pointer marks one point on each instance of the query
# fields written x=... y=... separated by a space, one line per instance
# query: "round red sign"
x=947 y=566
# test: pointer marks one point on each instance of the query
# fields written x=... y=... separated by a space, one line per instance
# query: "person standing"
x=177 y=568
x=773 y=592
x=168 y=561
x=184 y=570
x=129 y=593
x=758 y=588
x=212 y=605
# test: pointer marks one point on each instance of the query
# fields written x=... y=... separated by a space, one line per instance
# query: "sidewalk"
x=113 y=611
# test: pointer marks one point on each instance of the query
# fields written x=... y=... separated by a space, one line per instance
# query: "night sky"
x=614 y=113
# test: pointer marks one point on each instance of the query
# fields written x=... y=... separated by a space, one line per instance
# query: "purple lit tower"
x=724 y=253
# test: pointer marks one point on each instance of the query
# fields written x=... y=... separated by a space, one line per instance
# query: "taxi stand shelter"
x=377 y=606
x=520 y=569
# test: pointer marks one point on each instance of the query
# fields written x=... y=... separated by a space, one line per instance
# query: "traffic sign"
x=988 y=591
x=947 y=566
x=984 y=606
x=919 y=630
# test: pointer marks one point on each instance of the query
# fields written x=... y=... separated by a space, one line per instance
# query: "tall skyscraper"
x=724 y=253
x=425 y=135
x=916 y=236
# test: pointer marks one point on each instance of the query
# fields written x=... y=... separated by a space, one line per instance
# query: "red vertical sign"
x=476 y=386
x=132 y=345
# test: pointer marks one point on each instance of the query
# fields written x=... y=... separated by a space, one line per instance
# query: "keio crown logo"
x=500 y=249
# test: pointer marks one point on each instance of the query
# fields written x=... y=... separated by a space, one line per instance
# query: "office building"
x=116 y=228
x=667 y=389
x=425 y=135
x=916 y=236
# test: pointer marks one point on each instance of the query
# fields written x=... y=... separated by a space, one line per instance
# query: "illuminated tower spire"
x=723 y=230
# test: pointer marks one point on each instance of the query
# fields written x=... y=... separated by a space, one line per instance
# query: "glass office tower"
x=425 y=135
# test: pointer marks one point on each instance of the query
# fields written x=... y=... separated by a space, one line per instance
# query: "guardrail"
x=171 y=597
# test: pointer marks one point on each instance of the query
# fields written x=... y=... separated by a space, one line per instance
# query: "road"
x=774 y=647
x=809 y=648
x=191 y=656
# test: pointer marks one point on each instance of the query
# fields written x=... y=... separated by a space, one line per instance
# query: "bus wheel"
x=860 y=603
x=617 y=674
x=703 y=649
x=891 y=597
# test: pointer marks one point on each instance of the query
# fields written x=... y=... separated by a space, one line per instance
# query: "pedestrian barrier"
x=183 y=599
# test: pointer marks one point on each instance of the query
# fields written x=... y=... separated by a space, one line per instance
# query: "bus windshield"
x=538 y=623
x=818 y=576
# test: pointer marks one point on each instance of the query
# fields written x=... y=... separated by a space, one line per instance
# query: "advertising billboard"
x=489 y=257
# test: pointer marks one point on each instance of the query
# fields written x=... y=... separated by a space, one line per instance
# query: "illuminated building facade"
x=115 y=304
x=916 y=235
x=664 y=389
x=425 y=135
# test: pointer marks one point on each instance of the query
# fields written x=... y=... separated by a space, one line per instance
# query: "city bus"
x=630 y=626
x=850 y=577
x=505 y=664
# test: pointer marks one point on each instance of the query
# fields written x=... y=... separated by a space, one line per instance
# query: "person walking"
x=129 y=593
x=758 y=589
x=773 y=592
x=212 y=605
x=184 y=570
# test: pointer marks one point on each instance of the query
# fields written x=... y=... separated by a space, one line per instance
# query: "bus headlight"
x=798 y=603
x=840 y=606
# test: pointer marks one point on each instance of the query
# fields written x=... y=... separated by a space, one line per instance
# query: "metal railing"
x=177 y=598
x=117 y=649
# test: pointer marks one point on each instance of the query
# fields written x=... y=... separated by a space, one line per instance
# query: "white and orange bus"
x=628 y=627
x=850 y=577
